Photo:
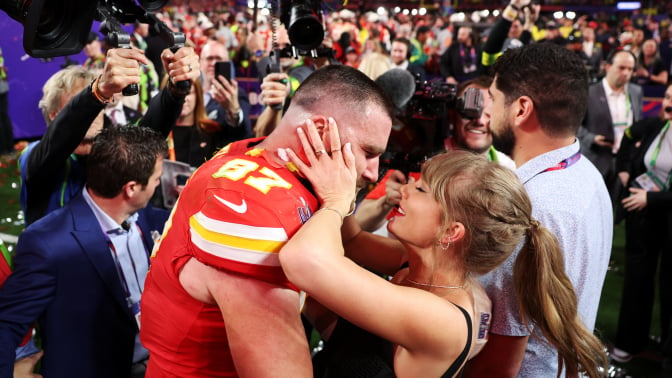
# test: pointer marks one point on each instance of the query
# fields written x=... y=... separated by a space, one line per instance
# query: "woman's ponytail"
x=547 y=300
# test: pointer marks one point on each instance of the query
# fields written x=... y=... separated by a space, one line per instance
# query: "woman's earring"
x=445 y=246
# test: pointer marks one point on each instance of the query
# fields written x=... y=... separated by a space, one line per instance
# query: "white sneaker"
x=620 y=355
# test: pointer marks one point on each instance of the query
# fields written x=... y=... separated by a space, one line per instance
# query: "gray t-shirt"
x=573 y=203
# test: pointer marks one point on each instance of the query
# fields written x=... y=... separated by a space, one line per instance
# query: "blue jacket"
x=65 y=279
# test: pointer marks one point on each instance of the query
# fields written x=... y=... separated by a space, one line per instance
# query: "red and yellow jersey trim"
x=242 y=243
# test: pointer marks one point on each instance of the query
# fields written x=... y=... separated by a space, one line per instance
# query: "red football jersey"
x=235 y=213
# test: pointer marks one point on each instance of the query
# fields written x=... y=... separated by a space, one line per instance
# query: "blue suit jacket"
x=66 y=280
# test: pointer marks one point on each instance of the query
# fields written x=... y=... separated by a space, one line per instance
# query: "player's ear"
x=321 y=123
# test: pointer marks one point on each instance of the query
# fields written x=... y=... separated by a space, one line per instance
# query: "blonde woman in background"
x=375 y=64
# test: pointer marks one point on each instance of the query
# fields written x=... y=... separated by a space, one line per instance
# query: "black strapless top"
x=352 y=352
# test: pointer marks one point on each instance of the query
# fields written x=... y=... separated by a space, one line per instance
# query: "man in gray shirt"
x=539 y=98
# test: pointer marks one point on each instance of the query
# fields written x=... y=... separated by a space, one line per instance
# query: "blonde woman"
x=463 y=218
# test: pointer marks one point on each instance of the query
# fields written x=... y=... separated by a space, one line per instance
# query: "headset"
x=408 y=46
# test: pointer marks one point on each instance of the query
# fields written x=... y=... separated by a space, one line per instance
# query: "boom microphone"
x=398 y=84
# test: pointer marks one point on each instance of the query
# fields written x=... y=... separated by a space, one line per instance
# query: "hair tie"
x=534 y=225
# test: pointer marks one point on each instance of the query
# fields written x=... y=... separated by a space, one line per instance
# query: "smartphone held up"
x=225 y=69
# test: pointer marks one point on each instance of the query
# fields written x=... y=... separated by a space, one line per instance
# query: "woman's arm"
x=314 y=260
x=381 y=254
x=660 y=73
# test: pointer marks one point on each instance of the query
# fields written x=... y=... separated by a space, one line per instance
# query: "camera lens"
x=152 y=5
x=16 y=9
x=54 y=24
x=305 y=30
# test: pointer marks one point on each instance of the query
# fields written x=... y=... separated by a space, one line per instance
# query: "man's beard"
x=504 y=141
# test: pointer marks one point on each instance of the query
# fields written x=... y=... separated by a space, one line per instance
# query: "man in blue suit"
x=79 y=271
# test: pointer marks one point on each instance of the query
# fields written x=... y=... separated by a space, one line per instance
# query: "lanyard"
x=564 y=164
x=628 y=108
x=120 y=270
x=6 y=255
x=472 y=55
x=656 y=150
x=492 y=155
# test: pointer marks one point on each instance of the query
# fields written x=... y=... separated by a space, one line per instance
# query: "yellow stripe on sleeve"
x=258 y=244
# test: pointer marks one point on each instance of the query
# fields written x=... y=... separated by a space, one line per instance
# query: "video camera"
x=61 y=27
x=432 y=100
x=303 y=21
x=424 y=124
x=292 y=52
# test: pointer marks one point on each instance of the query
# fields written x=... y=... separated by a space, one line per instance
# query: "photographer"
x=471 y=134
x=277 y=88
x=53 y=169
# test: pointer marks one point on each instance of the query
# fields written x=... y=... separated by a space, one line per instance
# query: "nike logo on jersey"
x=240 y=209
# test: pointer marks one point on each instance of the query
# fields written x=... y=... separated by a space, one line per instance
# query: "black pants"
x=613 y=183
x=647 y=242
x=6 y=132
x=138 y=369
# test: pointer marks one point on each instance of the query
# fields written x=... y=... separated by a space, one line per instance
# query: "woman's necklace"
x=441 y=286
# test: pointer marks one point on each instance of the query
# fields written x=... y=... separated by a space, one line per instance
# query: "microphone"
x=398 y=84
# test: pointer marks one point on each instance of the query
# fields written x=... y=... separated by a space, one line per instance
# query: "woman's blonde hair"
x=375 y=64
x=60 y=83
x=496 y=212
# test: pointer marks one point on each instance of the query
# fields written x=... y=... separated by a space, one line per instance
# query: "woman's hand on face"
x=330 y=168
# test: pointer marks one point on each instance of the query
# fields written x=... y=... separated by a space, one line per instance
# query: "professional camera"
x=60 y=27
x=432 y=100
x=303 y=20
x=292 y=52
x=423 y=125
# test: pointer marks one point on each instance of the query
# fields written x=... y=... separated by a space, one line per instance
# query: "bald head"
x=212 y=52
